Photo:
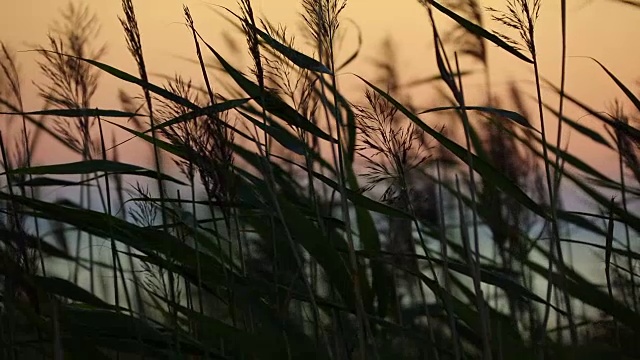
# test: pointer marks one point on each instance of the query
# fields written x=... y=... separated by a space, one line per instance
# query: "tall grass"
x=284 y=219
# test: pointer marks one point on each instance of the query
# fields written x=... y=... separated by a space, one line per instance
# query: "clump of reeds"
x=292 y=211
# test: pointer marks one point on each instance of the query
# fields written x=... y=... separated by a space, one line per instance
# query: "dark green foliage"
x=268 y=238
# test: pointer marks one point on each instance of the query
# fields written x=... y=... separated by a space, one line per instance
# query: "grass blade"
x=479 y=31
x=91 y=167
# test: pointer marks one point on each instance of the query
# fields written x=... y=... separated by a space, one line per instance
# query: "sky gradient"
x=597 y=28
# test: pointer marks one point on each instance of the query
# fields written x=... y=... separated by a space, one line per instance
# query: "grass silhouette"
x=302 y=222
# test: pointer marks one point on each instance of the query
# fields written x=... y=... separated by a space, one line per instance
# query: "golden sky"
x=597 y=28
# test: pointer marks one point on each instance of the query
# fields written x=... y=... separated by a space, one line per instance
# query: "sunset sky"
x=597 y=28
x=601 y=29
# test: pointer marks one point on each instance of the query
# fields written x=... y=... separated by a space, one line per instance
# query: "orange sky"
x=598 y=28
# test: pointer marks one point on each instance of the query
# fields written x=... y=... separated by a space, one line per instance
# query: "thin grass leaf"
x=134 y=80
x=511 y=115
x=296 y=57
x=634 y=100
x=624 y=127
x=207 y=110
x=355 y=54
x=69 y=290
x=629 y=218
x=282 y=136
x=432 y=78
x=77 y=113
x=94 y=166
x=269 y=101
x=566 y=156
x=607 y=254
x=10 y=238
x=297 y=143
x=47 y=181
x=161 y=144
x=633 y=3
x=621 y=252
x=358 y=199
x=480 y=32
x=591 y=134
x=614 y=185
x=580 y=221
x=587 y=292
x=39 y=124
